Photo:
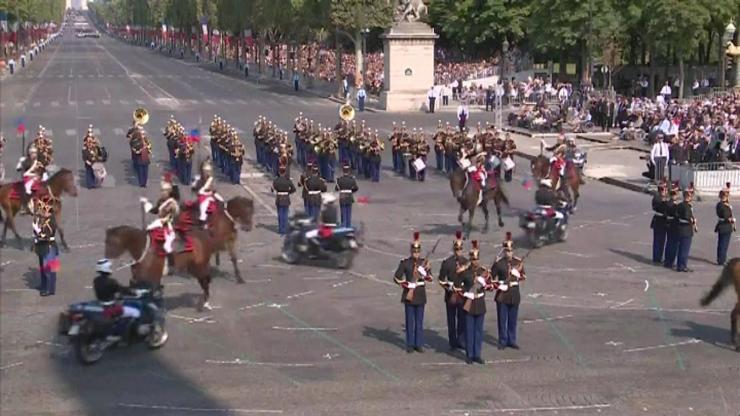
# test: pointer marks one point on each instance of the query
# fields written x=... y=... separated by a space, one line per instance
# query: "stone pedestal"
x=409 y=66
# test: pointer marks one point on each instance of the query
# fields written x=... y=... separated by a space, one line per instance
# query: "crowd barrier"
x=708 y=178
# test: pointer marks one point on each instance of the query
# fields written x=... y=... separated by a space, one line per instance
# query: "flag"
x=194 y=136
x=21 y=127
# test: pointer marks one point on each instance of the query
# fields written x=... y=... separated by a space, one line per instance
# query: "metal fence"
x=708 y=178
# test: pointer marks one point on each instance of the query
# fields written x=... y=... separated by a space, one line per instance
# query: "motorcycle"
x=306 y=240
x=542 y=229
x=93 y=327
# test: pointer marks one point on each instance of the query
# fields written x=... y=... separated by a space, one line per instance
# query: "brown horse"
x=149 y=260
x=60 y=183
x=541 y=169
x=464 y=190
x=730 y=274
x=222 y=226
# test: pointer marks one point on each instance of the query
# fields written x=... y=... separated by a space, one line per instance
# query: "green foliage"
x=355 y=15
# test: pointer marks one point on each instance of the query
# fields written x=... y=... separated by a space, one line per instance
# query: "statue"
x=732 y=50
x=410 y=10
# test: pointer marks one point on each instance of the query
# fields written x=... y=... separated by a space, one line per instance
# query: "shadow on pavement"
x=385 y=335
x=633 y=256
x=707 y=333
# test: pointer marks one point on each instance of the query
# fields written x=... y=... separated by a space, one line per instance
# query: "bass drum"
x=99 y=172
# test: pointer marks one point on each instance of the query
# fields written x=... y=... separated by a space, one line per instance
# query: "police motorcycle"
x=94 y=326
x=308 y=240
x=546 y=225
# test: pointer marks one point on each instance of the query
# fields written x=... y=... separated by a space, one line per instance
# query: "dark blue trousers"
x=723 y=244
x=684 y=246
x=142 y=172
x=473 y=335
x=671 y=249
x=507 y=315
x=313 y=211
x=440 y=157
x=282 y=212
x=375 y=170
x=414 y=325
x=345 y=211
x=659 y=244
x=186 y=171
x=89 y=177
x=394 y=155
x=236 y=172
x=455 y=325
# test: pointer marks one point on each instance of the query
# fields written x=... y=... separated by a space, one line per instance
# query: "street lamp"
x=729 y=34
x=364 y=32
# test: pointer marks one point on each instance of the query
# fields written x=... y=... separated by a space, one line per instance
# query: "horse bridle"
x=226 y=212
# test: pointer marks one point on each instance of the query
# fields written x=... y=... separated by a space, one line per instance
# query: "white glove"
x=412 y=285
x=468 y=295
x=143 y=200
x=503 y=287
x=481 y=280
x=422 y=271
x=515 y=273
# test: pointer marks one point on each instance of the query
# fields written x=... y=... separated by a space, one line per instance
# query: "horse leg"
x=733 y=327
x=469 y=227
x=460 y=215
x=484 y=207
x=497 y=204
x=205 y=281
x=218 y=259
x=232 y=252
x=10 y=223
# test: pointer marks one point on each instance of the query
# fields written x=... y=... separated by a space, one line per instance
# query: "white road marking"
x=322 y=278
x=647 y=286
x=20 y=290
x=340 y=284
x=244 y=362
x=71 y=132
x=36 y=104
x=553 y=318
x=91 y=76
x=106 y=102
x=2 y=105
x=210 y=102
x=123 y=102
x=613 y=343
x=197 y=409
x=657 y=347
x=259 y=199
x=574 y=254
x=275 y=266
x=250 y=175
x=533 y=409
x=70 y=76
x=11 y=366
x=140 y=102
x=193 y=101
x=301 y=328
x=19 y=104
x=298 y=295
x=90 y=102
x=371 y=277
x=55 y=103
x=118 y=131
x=227 y=102
x=242 y=102
x=256 y=305
x=619 y=305
x=191 y=320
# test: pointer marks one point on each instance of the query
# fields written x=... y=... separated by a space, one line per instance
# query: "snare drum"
x=99 y=172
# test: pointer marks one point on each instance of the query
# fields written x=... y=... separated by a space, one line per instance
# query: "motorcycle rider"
x=107 y=289
x=546 y=200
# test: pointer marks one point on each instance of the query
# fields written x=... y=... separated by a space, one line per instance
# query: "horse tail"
x=502 y=194
x=724 y=280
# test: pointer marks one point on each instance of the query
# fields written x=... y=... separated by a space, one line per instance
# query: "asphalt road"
x=602 y=331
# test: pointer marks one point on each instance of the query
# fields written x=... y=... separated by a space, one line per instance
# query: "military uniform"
x=141 y=150
x=659 y=224
x=283 y=187
x=346 y=186
x=449 y=279
x=184 y=151
x=166 y=209
x=686 y=224
x=314 y=186
x=508 y=272
x=412 y=274
x=671 y=247
x=44 y=244
x=725 y=225
x=475 y=281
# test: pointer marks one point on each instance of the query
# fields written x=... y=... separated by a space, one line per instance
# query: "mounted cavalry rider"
x=33 y=173
x=205 y=188
x=166 y=210
x=557 y=165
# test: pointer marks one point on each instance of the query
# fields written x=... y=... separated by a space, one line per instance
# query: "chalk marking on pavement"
x=36 y=104
x=303 y=328
x=5 y=263
x=657 y=347
x=256 y=305
x=123 y=102
x=559 y=335
x=86 y=245
x=257 y=280
x=662 y=320
x=647 y=285
x=534 y=409
x=619 y=305
x=574 y=254
x=298 y=295
x=11 y=366
x=379 y=251
x=140 y=102
x=274 y=266
x=71 y=132
x=554 y=318
x=197 y=409
x=614 y=343
x=20 y=290
x=340 y=284
x=629 y=269
x=55 y=103
x=322 y=278
x=338 y=343
x=106 y=102
x=371 y=277
x=488 y=362
x=245 y=362
x=90 y=102
x=259 y=199
x=191 y=320
x=118 y=131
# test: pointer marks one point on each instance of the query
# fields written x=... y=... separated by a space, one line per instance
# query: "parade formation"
x=326 y=232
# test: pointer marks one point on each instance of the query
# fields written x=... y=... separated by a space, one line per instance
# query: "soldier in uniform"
x=686 y=229
x=89 y=157
x=725 y=224
x=439 y=146
x=283 y=187
x=346 y=186
x=166 y=210
x=659 y=224
x=671 y=247
x=314 y=186
x=237 y=154
x=508 y=272
x=475 y=280
x=170 y=135
x=141 y=149
x=33 y=171
x=184 y=150
x=375 y=152
x=302 y=183
x=421 y=150
x=205 y=188
x=44 y=244
x=449 y=279
x=412 y=275
x=215 y=131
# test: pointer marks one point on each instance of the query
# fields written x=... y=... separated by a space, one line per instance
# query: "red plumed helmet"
x=458 y=234
x=416 y=245
x=475 y=244
x=508 y=236
x=416 y=236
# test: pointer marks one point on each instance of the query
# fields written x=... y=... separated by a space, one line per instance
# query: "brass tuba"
x=141 y=116
x=346 y=112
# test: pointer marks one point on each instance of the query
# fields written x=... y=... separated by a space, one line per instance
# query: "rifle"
x=410 y=292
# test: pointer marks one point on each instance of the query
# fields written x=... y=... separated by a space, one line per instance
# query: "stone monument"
x=409 y=59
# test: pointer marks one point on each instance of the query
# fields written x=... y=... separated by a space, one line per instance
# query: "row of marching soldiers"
x=272 y=147
x=452 y=146
x=33 y=166
x=465 y=282
x=674 y=225
x=227 y=151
